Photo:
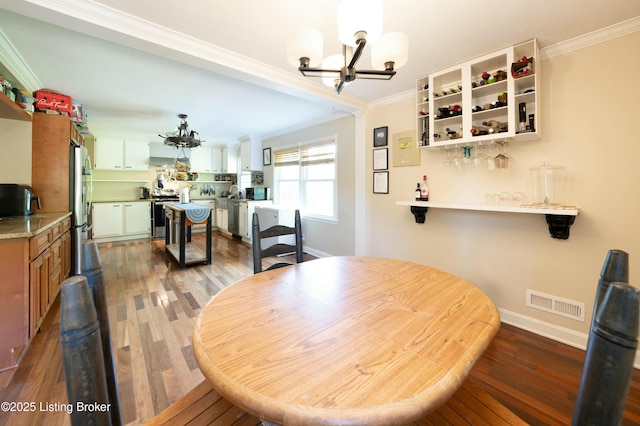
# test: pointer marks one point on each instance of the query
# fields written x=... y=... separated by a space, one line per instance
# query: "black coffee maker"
x=16 y=200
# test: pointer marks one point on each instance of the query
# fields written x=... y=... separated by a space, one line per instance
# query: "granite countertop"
x=29 y=226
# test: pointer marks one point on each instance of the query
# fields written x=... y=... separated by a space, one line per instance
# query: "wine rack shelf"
x=484 y=95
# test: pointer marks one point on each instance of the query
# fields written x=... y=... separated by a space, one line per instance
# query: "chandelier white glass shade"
x=182 y=137
x=390 y=47
x=359 y=22
x=332 y=62
x=356 y=16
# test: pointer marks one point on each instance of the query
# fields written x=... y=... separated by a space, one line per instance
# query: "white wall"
x=589 y=112
x=323 y=237
x=16 y=152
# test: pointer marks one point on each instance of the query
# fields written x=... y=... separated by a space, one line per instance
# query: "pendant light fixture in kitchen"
x=182 y=137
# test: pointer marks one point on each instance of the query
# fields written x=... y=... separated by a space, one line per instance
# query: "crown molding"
x=17 y=66
x=392 y=99
x=599 y=36
x=205 y=54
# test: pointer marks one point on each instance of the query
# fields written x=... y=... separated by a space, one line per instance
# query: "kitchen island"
x=35 y=257
x=180 y=217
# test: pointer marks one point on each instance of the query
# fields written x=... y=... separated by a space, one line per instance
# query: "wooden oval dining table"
x=343 y=341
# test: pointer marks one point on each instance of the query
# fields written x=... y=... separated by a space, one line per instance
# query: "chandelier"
x=182 y=137
x=359 y=22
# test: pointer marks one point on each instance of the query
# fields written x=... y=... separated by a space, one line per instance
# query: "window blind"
x=286 y=157
x=306 y=155
x=322 y=153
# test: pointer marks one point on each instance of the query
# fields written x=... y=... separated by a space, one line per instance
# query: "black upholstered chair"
x=276 y=249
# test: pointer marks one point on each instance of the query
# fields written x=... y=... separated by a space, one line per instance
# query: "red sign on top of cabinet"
x=53 y=101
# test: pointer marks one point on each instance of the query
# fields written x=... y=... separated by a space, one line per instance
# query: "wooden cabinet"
x=121 y=219
x=481 y=100
x=50 y=264
x=11 y=111
x=121 y=154
x=50 y=160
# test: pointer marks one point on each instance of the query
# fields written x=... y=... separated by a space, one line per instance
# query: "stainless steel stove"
x=157 y=213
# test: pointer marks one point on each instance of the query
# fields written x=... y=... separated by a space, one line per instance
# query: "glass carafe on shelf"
x=548 y=183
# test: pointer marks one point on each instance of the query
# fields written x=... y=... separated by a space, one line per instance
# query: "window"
x=305 y=178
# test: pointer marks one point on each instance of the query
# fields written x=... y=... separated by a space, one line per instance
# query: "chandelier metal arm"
x=356 y=55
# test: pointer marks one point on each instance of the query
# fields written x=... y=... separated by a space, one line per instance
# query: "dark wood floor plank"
x=153 y=306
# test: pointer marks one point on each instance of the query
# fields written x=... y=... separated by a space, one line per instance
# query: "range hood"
x=162 y=161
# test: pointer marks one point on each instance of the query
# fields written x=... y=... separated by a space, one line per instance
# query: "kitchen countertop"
x=29 y=226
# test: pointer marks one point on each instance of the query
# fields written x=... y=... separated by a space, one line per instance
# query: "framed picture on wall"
x=380 y=136
x=266 y=157
x=381 y=159
x=380 y=182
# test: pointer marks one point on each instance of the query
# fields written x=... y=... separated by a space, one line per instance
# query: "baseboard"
x=122 y=238
x=314 y=252
x=551 y=331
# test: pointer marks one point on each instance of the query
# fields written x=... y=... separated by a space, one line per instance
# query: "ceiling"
x=135 y=65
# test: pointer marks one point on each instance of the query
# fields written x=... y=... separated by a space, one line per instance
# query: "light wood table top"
x=343 y=340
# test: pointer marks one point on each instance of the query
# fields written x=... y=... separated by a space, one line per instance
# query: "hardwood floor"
x=152 y=309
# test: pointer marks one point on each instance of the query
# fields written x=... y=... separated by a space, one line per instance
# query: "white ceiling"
x=135 y=65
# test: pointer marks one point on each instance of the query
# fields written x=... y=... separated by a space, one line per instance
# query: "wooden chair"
x=278 y=248
x=86 y=381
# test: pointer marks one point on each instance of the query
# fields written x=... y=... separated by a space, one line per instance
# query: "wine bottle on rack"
x=425 y=131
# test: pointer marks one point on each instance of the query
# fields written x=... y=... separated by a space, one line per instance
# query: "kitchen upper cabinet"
x=251 y=155
x=206 y=160
x=230 y=159
x=121 y=219
x=120 y=154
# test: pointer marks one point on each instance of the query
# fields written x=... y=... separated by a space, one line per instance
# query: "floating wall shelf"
x=559 y=219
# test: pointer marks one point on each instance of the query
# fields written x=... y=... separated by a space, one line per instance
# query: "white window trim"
x=319 y=218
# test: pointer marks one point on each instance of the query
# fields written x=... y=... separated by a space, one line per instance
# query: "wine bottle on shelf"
x=418 y=192
x=424 y=189
x=425 y=132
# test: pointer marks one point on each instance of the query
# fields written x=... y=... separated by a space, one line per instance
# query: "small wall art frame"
x=381 y=159
x=380 y=182
x=380 y=135
x=266 y=157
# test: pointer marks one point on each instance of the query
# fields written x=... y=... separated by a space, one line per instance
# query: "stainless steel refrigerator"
x=79 y=202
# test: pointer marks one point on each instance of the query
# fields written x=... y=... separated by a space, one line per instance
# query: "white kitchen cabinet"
x=243 y=221
x=136 y=218
x=107 y=220
x=251 y=155
x=246 y=217
x=136 y=155
x=206 y=160
x=120 y=154
x=121 y=220
x=230 y=159
x=222 y=219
